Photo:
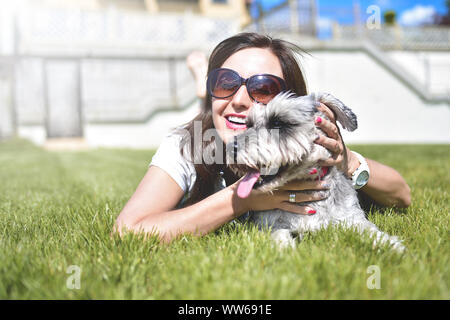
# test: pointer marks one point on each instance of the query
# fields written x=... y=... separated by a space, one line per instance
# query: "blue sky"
x=408 y=11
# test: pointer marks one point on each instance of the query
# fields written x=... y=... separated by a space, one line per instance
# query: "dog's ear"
x=344 y=114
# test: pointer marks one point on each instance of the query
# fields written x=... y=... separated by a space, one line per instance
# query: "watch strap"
x=362 y=169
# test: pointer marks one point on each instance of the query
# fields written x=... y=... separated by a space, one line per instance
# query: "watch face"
x=362 y=179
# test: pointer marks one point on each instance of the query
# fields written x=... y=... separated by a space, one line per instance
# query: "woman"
x=209 y=202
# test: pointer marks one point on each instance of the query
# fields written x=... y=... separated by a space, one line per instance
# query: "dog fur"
x=292 y=154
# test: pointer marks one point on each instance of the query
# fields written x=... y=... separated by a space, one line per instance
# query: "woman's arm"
x=385 y=186
x=151 y=208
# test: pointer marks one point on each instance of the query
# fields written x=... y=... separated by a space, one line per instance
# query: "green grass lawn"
x=57 y=209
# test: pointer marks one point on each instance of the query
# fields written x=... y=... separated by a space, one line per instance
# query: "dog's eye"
x=276 y=124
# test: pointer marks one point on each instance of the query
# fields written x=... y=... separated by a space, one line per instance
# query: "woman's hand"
x=334 y=143
x=305 y=191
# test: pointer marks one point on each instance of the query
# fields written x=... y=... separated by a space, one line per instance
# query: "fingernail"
x=313 y=171
x=311 y=211
x=326 y=185
x=318 y=120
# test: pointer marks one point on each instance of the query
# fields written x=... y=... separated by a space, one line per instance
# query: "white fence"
x=96 y=31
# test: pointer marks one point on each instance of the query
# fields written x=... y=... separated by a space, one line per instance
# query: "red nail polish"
x=313 y=171
x=318 y=120
x=311 y=211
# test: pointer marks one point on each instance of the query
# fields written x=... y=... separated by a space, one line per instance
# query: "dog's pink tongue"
x=246 y=185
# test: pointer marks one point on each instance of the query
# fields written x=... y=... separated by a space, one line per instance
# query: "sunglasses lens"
x=264 y=88
x=223 y=83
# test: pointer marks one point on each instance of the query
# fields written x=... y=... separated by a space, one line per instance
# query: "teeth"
x=237 y=119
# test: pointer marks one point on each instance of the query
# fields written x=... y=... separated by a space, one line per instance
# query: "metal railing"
x=85 y=31
x=289 y=16
x=398 y=38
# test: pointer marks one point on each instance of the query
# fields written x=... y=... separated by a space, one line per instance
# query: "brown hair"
x=207 y=174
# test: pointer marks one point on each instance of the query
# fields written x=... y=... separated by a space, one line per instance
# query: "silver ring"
x=292 y=197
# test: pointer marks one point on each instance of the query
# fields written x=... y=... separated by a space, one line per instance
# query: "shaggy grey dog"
x=278 y=147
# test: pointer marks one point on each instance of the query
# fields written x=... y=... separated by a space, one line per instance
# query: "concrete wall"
x=108 y=90
x=432 y=68
x=139 y=135
x=388 y=111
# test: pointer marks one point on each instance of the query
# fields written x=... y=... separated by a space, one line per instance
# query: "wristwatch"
x=361 y=175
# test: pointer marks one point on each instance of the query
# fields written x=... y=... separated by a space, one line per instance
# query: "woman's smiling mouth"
x=236 y=121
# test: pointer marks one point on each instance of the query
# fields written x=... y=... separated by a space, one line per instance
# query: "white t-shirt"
x=169 y=158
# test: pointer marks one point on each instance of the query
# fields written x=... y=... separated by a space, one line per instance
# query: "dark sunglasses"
x=223 y=83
